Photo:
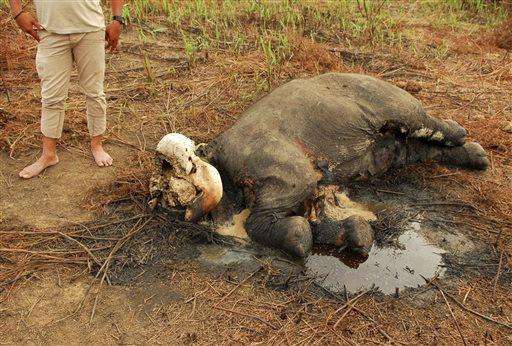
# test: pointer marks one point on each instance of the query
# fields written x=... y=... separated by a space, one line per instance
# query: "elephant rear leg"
x=428 y=129
x=469 y=155
x=441 y=132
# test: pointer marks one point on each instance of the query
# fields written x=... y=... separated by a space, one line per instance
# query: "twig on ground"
x=239 y=284
x=454 y=204
x=104 y=268
x=246 y=315
x=465 y=308
x=82 y=246
x=196 y=294
x=498 y=272
x=347 y=304
x=15 y=279
x=116 y=222
x=376 y=324
x=454 y=319
x=391 y=192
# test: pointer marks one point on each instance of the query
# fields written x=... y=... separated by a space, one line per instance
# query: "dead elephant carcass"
x=306 y=137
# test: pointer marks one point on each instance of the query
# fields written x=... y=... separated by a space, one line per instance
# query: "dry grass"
x=268 y=304
x=503 y=35
x=194 y=66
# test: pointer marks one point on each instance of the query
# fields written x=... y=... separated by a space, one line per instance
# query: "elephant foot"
x=470 y=155
x=291 y=234
x=297 y=238
x=353 y=233
x=456 y=134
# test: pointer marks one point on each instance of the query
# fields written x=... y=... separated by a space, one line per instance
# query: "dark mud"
x=412 y=241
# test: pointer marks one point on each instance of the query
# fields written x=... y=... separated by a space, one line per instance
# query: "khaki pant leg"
x=54 y=62
x=89 y=55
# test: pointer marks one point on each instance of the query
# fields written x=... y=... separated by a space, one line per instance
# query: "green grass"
x=236 y=23
x=457 y=14
x=270 y=25
x=374 y=21
x=266 y=25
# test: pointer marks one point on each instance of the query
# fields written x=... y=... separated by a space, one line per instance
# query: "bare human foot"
x=40 y=165
x=102 y=158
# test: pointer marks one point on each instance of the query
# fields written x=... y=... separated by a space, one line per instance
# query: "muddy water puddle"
x=390 y=269
x=218 y=255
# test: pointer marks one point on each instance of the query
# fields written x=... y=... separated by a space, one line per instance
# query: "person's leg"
x=54 y=63
x=89 y=55
x=48 y=158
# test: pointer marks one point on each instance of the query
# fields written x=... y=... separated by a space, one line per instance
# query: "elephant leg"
x=282 y=178
x=289 y=233
x=426 y=128
x=442 y=132
x=469 y=155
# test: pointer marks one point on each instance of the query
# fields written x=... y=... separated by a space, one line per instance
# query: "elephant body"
x=328 y=129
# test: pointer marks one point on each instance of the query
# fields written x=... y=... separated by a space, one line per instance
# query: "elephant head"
x=184 y=180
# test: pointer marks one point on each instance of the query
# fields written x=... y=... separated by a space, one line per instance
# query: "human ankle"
x=97 y=142
x=48 y=155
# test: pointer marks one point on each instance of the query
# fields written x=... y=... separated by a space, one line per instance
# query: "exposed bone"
x=428 y=134
x=178 y=150
x=180 y=192
x=437 y=136
x=337 y=206
x=184 y=180
x=207 y=179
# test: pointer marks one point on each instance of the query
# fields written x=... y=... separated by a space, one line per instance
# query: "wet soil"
x=411 y=246
x=414 y=243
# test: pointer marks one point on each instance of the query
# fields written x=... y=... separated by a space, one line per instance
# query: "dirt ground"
x=83 y=261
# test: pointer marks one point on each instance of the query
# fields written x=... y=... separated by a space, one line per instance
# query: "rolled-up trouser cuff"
x=98 y=129
x=96 y=114
x=52 y=122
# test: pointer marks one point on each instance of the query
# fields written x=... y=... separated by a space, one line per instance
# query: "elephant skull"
x=184 y=180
